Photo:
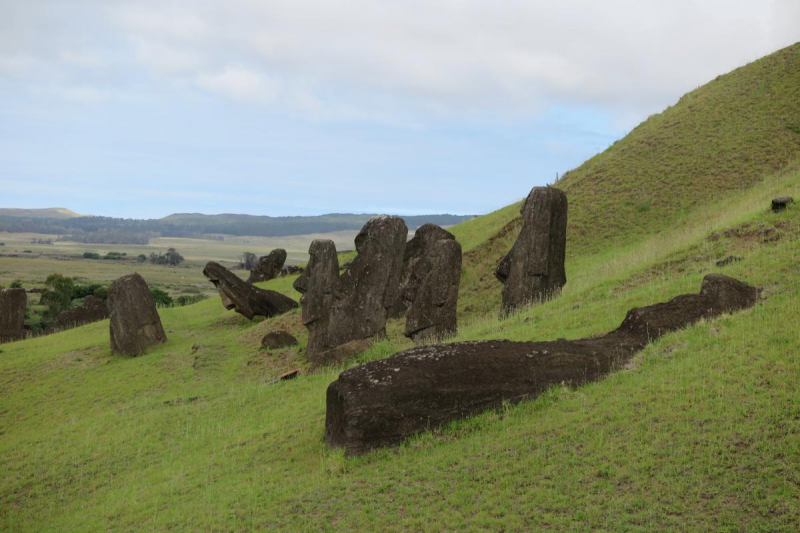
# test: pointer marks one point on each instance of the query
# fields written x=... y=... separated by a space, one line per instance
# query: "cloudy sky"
x=145 y=108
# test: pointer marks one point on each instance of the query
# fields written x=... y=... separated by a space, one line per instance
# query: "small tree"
x=173 y=257
x=141 y=258
x=248 y=261
x=162 y=298
x=16 y=284
x=58 y=293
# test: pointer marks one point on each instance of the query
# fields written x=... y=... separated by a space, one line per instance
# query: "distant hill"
x=192 y=225
x=48 y=212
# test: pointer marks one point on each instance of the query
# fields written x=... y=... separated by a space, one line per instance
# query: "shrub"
x=82 y=291
x=172 y=257
x=91 y=255
x=114 y=256
x=189 y=300
x=58 y=293
x=16 y=284
x=162 y=298
x=101 y=293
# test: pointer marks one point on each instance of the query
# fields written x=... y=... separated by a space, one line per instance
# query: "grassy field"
x=701 y=432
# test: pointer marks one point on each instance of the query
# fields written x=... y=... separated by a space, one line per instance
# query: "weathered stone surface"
x=135 y=324
x=779 y=204
x=278 y=339
x=12 y=314
x=353 y=306
x=245 y=298
x=432 y=291
x=534 y=268
x=92 y=310
x=269 y=266
x=383 y=402
x=339 y=354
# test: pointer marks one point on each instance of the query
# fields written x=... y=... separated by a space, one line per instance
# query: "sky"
x=140 y=109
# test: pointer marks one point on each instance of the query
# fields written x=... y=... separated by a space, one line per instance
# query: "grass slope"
x=49 y=212
x=701 y=432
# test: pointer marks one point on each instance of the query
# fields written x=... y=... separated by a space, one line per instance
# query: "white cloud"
x=241 y=84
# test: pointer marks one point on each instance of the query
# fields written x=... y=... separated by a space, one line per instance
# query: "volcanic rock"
x=534 y=268
x=278 y=339
x=779 y=204
x=135 y=324
x=268 y=267
x=245 y=298
x=383 y=402
x=12 y=314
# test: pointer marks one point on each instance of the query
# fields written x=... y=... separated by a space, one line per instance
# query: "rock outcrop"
x=779 y=204
x=135 y=324
x=429 y=284
x=92 y=310
x=534 y=268
x=278 y=339
x=245 y=298
x=12 y=314
x=268 y=267
x=383 y=402
x=338 y=310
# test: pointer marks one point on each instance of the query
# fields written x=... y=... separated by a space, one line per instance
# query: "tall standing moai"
x=12 y=314
x=338 y=310
x=534 y=268
x=429 y=284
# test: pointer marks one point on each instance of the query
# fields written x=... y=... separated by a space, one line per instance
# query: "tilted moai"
x=534 y=268
x=135 y=324
x=429 y=284
x=268 y=267
x=245 y=298
x=338 y=310
x=12 y=314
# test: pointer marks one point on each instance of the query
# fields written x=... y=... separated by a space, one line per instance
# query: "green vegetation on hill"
x=701 y=432
x=49 y=212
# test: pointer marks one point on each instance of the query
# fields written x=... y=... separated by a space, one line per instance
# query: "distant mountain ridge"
x=47 y=212
x=108 y=230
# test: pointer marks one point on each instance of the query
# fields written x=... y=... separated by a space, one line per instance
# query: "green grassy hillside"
x=700 y=432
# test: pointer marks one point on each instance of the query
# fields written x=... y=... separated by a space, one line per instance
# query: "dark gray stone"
x=12 y=314
x=92 y=310
x=534 y=268
x=781 y=203
x=278 y=339
x=135 y=324
x=245 y=298
x=728 y=260
x=432 y=274
x=268 y=267
x=383 y=402
x=318 y=285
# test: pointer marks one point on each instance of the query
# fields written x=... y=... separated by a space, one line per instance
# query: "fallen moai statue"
x=268 y=267
x=92 y=310
x=534 y=268
x=382 y=402
x=245 y=298
x=135 y=324
x=12 y=314
x=351 y=308
x=429 y=284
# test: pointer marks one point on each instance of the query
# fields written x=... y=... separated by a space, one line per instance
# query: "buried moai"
x=534 y=268
x=12 y=314
x=135 y=324
x=268 y=267
x=343 y=312
x=429 y=284
x=245 y=298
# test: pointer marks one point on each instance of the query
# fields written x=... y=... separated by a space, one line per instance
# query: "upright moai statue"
x=429 y=284
x=135 y=324
x=12 y=314
x=338 y=310
x=534 y=268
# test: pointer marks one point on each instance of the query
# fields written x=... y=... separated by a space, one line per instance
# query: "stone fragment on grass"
x=278 y=339
x=781 y=203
